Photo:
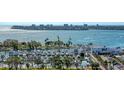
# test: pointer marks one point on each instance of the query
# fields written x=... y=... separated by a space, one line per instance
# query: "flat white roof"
x=97 y=46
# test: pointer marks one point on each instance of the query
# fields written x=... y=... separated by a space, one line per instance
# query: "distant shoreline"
x=69 y=27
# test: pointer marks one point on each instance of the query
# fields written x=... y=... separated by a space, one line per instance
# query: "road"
x=119 y=62
x=95 y=60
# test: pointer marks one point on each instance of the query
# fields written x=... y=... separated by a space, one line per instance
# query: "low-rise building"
x=99 y=50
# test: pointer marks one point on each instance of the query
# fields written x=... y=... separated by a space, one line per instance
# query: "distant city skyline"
x=61 y=23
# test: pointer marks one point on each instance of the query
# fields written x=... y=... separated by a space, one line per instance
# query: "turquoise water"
x=100 y=37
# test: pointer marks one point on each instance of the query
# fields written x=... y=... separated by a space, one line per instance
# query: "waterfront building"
x=99 y=50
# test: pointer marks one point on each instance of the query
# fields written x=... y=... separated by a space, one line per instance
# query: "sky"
x=61 y=23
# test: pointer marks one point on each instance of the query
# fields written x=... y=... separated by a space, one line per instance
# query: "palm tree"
x=15 y=45
x=46 y=44
x=69 y=42
x=2 y=57
x=27 y=65
x=46 y=40
x=2 y=60
x=29 y=45
x=58 y=40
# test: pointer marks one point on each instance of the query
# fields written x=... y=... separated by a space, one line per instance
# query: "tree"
x=29 y=45
x=58 y=39
x=47 y=39
x=57 y=62
x=95 y=66
x=2 y=57
x=35 y=44
x=105 y=64
x=15 y=45
x=39 y=62
x=69 y=42
x=76 y=65
x=13 y=62
x=27 y=65
x=46 y=44
x=67 y=61
x=11 y=43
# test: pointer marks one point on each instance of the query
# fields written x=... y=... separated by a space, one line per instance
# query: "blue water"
x=111 y=38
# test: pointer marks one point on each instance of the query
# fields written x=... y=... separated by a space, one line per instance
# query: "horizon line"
x=60 y=23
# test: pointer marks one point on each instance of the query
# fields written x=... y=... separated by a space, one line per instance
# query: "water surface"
x=112 y=38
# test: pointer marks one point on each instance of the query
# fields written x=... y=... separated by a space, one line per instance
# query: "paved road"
x=119 y=62
x=95 y=60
